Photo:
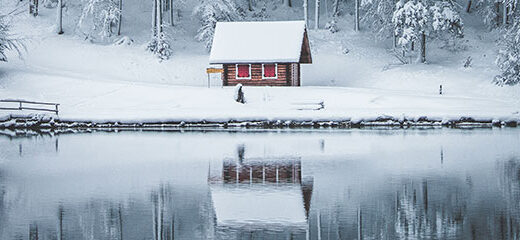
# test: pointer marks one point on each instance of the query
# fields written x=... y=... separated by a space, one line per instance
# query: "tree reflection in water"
x=267 y=196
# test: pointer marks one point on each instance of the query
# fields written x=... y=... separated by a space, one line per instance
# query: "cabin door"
x=295 y=74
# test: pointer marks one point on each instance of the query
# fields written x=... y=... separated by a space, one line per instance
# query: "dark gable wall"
x=284 y=76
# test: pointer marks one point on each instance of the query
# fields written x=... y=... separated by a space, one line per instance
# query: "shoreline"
x=46 y=123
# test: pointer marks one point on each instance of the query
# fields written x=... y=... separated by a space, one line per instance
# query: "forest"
x=408 y=27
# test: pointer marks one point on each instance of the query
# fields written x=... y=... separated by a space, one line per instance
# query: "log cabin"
x=261 y=53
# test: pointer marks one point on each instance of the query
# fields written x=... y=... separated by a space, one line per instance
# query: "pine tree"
x=508 y=59
x=416 y=20
x=209 y=12
x=410 y=21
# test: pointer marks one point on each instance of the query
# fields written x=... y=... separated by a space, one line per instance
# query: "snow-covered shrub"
x=50 y=3
x=124 y=41
x=160 y=46
x=7 y=42
x=468 y=62
x=260 y=14
x=239 y=94
x=332 y=26
x=209 y=12
x=98 y=18
x=508 y=59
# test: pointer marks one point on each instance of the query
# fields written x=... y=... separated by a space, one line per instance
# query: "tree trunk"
x=287 y=3
x=60 y=16
x=120 y=17
x=356 y=26
x=154 y=19
x=504 y=13
x=335 y=8
x=166 y=5
x=317 y=15
x=468 y=8
x=250 y=5
x=423 y=47
x=326 y=5
x=159 y=17
x=171 y=13
x=306 y=11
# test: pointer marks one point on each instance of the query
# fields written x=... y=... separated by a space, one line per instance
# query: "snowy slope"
x=353 y=74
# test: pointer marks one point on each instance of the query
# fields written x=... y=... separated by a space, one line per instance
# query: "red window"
x=243 y=71
x=270 y=70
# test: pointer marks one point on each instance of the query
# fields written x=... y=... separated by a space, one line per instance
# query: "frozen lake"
x=388 y=184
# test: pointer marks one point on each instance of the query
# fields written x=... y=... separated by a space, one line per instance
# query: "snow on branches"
x=508 y=59
x=159 y=44
x=209 y=12
x=379 y=17
x=409 y=20
x=98 y=18
x=7 y=42
x=414 y=19
x=446 y=19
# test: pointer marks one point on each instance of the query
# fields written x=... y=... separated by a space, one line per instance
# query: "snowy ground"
x=108 y=82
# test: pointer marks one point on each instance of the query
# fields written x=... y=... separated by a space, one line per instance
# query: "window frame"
x=236 y=71
x=275 y=71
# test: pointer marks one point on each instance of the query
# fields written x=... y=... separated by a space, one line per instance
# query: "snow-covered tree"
x=410 y=21
x=415 y=20
x=159 y=44
x=379 y=17
x=497 y=13
x=99 y=17
x=7 y=41
x=447 y=24
x=508 y=59
x=209 y=12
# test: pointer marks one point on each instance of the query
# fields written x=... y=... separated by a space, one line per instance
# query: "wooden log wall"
x=283 y=79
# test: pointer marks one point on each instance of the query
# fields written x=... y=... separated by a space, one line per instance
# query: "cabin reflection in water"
x=261 y=198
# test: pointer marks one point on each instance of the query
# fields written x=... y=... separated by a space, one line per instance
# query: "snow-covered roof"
x=259 y=206
x=258 y=42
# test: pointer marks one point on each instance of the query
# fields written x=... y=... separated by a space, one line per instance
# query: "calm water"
x=368 y=184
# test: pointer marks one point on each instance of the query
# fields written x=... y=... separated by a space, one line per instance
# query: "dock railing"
x=29 y=105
